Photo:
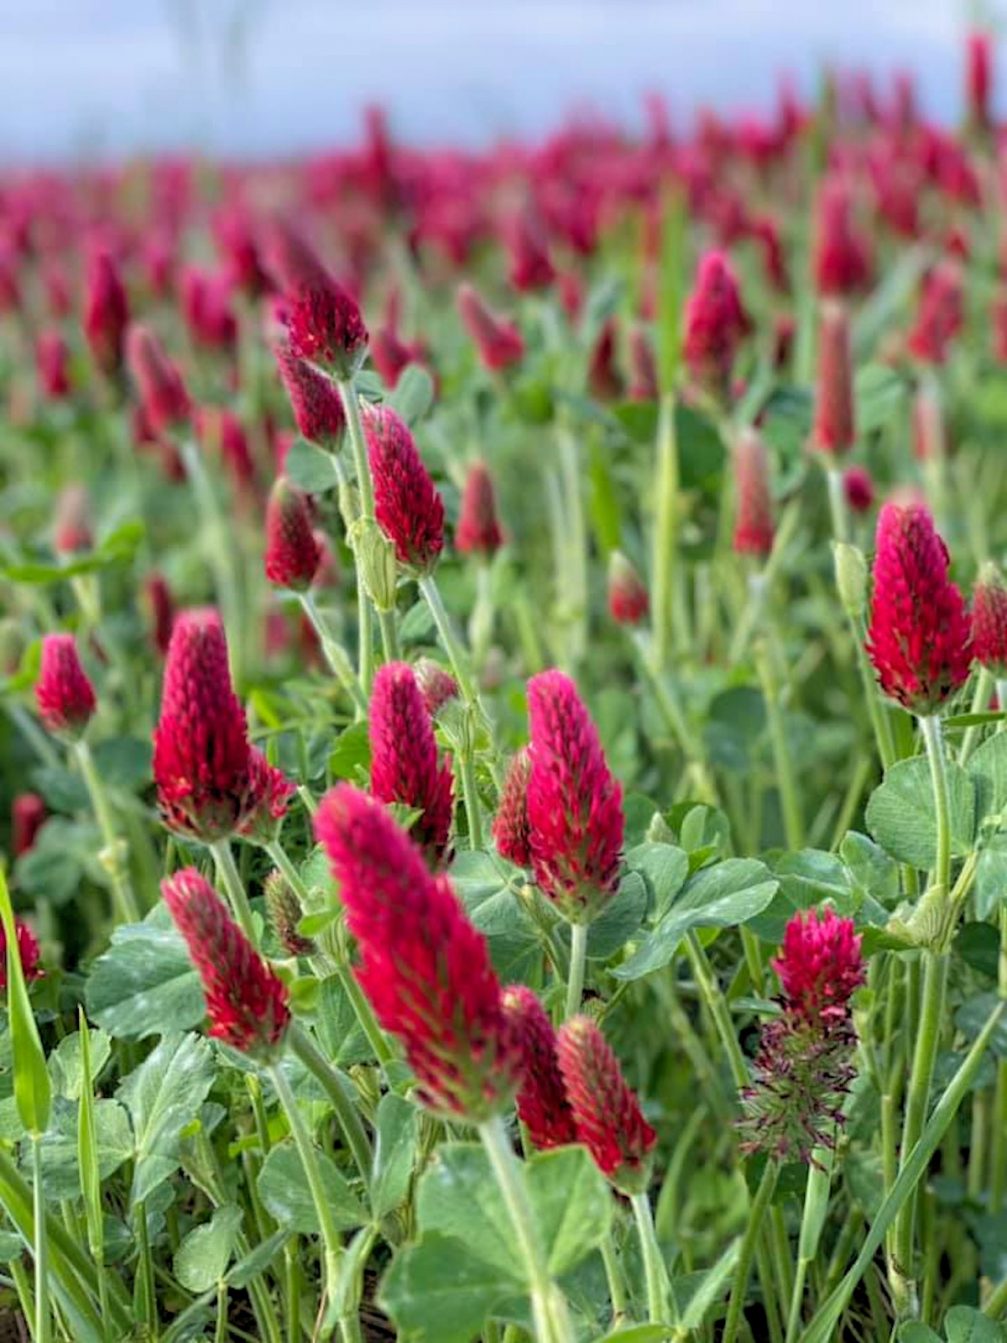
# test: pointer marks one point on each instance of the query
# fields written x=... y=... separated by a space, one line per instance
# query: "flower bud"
x=64 y=694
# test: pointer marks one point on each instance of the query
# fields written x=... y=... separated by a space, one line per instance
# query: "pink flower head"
x=318 y=409
x=269 y=795
x=979 y=79
x=819 y=964
x=603 y=377
x=205 y=301
x=63 y=692
x=292 y=552
x=753 y=525
x=842 y=260
x=106 y=312
x=989 y=621
x=606 y=1112
x=510 y=826
x=940 y=316
x=326 y=328
x=479 y=531
x=834 y=431
x=542 y=1104
x=27 y=950
x=162 y=392
x=437 y=686
x=715 y=325
x=858 y=488
x=239 y=251
x=290 y=261
x=498 y=342
x=529 y=267
x=221 y=432
x=628 y=600
x=161 y=606
x=52 y=364
x=246 y=1001
x=28 y=814
x=404 y=763
x=390 y=354
x=424 y=967
x=574 y=804
x=407 y=504
x=202 y=763
x=918 y=638
x=73 y=531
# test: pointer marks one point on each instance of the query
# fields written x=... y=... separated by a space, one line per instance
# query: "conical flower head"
x=510 y=826
x=834 y=431
x=542 y=1103
x=941 y=314
x=979 y=79
x=202 y=760
x=407 y=504
x=918 y=637
x=437 y=686
x=498 y=343
x=28 y=953
x=842 y=260
x=52 y=364
x=989 y=621
x=425 y=969
x=269 y=794
x=63 y=692
x=404 y=763
x=318 y=409
x=753 y=526
x=574 y=804
x=163 y=397
x=246 y=1001
x=28 y=814
x=479 y=531
x=606 y=1112
x=819 y=964
x=106 y=312
x=325 y=327
x=715 y=325
x=628 y=601
x=858 y=488
x=161 y=608
x=292 y=551
x=603 y=376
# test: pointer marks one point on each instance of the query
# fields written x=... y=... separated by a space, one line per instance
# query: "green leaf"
x=124 y=762
x=725 y=895
x=708 y=1290
x=283 y=1188
x=458 y=1197
x=248 y=1268
x=310 y=468
x=806 y=878
x=990 y=888
x=664 y=868
x=351 y=752
x=483 y=882
x=962 y=1324
x=900 y=812
x=394 y=1153
x=145 y=983
x=881 y=394
x=65 y=1062
x=113 y=1145
x=118 y=548
x=572 y=1204
x=413 y=395
x=438 y=1291
x=915 y=1332
x=988 y=768
x=203 y=1256
x=32 y=1087
x=163 y=1096
x=637 y=1333
x=873 y=871
x=619 y=920
x=978 y=944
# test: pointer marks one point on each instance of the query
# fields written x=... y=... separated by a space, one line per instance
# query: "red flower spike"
x=858 y=488
x=202 y=760
x=106 y=313
x=574 y=804
x=819 y=964
x=479 y=531
x=292 y=552
x=510 y=826
x=753 y=525
x=715 y=325
x=162 y=392
x=498 y=343
x=290 y=261
x=64 y=694
x=425 y=969
x=28 y=814
x=542 y=1104
x=918 y=637
x=979 y=79
x=607 y=1114
x=237 y=247
x=73 y=531
x=161 y=606
x=842 y=261
x=269 y=794
x=407 y=505
x=326 y=328
x=834 y=431
x=940 y=316
x=52 y=364
x=246 y=1001
x=989 y=621
x=628 y=601
x=603 y=377
x=437 y=686
x=530 y=267
x=390 y=355
x=28 y=952
x=404 y=764
x=317 y=406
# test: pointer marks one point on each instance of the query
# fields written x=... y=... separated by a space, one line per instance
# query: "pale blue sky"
x=266 y=76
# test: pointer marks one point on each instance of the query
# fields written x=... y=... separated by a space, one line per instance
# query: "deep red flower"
x=989 y=621
x=202 y=762
x=235 y=239
x=290 y=261
x=858 y=488
x=28 y=814
x=715 y=325
x=407 y=504
x=603 y=377
x=437 y=686
x=404 y=763
x=292 y=552
x=834 y=430
x=52 y=363
x=390 y=354
x=106 y=312
x=478 y=531
x=205 y=303
x=246 y=1001
x=510 y=826
x=628 y=600
x=317 y=406
x=979 y=79
x=542 y=1103
x=940 y=316
x=64 y=694
x=574 y=804
x=28 y=951
x=326 y=328
x=161 y=389
x=499 y=343
x=753 y=524
x=819 y=964
x=529 y=265
x=162 y=610
x=842 y=260
x=269 y=794
x=918 y=638
x=606 y=1112
x=424 y=967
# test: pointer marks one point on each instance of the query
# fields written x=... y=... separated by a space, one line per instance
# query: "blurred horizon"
x=271 y=78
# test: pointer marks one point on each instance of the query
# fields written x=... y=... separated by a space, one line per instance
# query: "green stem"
x=452 y=646
x=616 y=1281
x=43 y=1317
x=549 y=1308
x=746 y=1253
x=335 y=654
x=358 y=444
x=816 y=1203
x=346 y=1114
x=234 y=887
x=665 y=532
x=114 y=857
x=790 y=802
x=574 y=573
x=933 y=738
x=470 y=796
x=578 y=968
x=389 y=636
x=980 y=699
x=654 y=1270
x=837 y=504
x=996 y=1303
x=716 y=1005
